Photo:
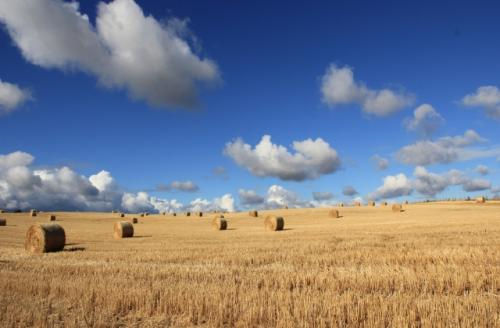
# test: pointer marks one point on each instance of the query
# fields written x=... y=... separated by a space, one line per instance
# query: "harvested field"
x=433 y=265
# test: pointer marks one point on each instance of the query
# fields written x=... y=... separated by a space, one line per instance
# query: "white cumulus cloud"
x=11 y=97
x=393 y=186
x=340 y=88
x=426 y=120
x=154 y=61
x=446 y=150
x=487 y=97
x=381 y=163
x=312 y=158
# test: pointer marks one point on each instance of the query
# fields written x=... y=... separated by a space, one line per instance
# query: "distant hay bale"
x=218 y=216
x=2 y=211
x=371 y=203
x=286 y=207
x=334 y=214
x=406 y=202
x=123 y=229
x=135 y=220
x=163 y=213
x=122 y=215
x=200 y=214
x=142 y=215
x=219 y=223
x=146 y=214
x=43 y=238
x=274 y=223
x=481 y=200
x=341 y=204
x=3 y=222
x=384 y=203
x=33 y=213
x=397 y=208
x=52 y=217
x=357 y=203
x=253 y=214
x=174 y=214
x=188 y=213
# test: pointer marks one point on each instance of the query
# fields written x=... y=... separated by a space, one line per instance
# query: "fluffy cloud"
x=487 y=97
x=250 y=197
x=476 y=185
x=445 y=150
x=394 y=186
x=126 y=49
x=426 y=120
x=312 y=158
x=185 y=186
x=380 y=162
x=427 y=183
x=322 y=196
x=482 y=169
x=339 y=87
x=224 y=203
x=21 y=187
x=279 y=197
x=349 y=191
x=11 y=97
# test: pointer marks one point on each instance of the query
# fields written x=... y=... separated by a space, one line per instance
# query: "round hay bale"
x=174 y=214
x=357 y=203
x=384 y=203
x=146 y=214
x=33 y=213
x=397 y=208
x=188 y=213
x=2 y=211
x=123 y=229
x=481 y=200
x=135 y=220
x=218 y=216
x=253 y=214
x=274 y=223
x=406 y=202
x=52 y=217
x=3 y=222
x=122 y=215
x=371 y=203
x=219 y=223
x=334 y=214
x=43 y=238
x=142 y=215
x=341 y=204
x=200 y=214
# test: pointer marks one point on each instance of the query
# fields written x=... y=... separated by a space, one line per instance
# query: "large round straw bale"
x=253 y=214
x=174 y=214
x=147 y=214
x=334 y=214
x=52 y=217
x=199 y=214
x=135 y=220
x=123 y=229
x=397 y=208
x=371 y=203
x=142 y=215
x=341 y=204
x=219 y=223
x=481 y=200
x=384 y=203
x=3 y=222
x=274 y=223
x=122 y=215
x=43 y=238
x=33 y=212
x=188 y=213
x=2 y=211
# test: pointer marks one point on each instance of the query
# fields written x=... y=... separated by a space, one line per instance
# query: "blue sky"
x=254 y=69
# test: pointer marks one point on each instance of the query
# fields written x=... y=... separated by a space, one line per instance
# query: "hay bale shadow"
x=74 y=249
x=143 y=236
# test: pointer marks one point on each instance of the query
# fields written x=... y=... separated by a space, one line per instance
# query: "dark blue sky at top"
x=271 y=55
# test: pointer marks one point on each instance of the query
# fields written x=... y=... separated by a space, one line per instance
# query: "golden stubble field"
x=434 y=265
